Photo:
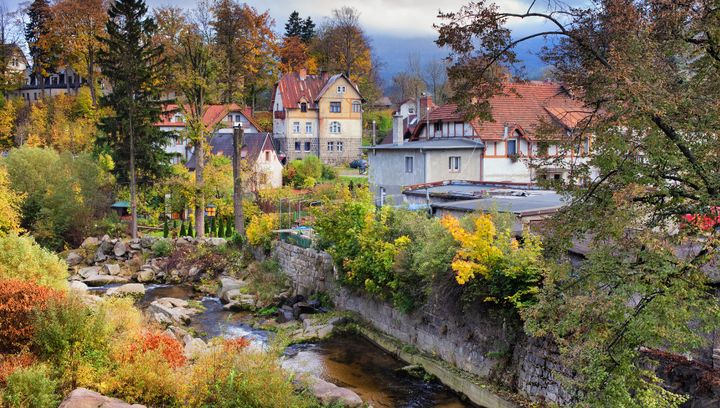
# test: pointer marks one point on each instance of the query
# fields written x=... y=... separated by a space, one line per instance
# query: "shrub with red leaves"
x=170 y=348
x=11 y=362
x=236 y=344
x=18 y=300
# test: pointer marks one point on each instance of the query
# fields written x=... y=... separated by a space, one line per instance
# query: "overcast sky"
x=397 y=28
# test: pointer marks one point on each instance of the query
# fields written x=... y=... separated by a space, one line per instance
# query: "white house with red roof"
x=317 y=115
x=217 y=119
x=445 y=146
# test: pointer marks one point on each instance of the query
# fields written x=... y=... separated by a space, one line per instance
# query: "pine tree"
x=221 y=228
x=166 y=229
x=182 y=232
x=37 y=32
x=294 y=27
x=308 y=30
x=132 y=64
x=229 y=230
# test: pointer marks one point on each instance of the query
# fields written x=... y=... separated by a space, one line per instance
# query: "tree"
x=246 y=48
x=80 y=24
x=10 y=39
x=342 y=46
x=43 y=47
x=133 y=67
x=10 y=203
x=649 y=75
x=196 y=80
x=406 y=85
x=308 y=30
x=294 y=26
x=294 y=55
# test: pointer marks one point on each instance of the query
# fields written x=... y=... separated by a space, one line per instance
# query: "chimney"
x=302 y=73
x=425 y=102
x=398 y=130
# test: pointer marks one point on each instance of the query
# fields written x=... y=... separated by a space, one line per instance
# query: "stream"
x=346 y=360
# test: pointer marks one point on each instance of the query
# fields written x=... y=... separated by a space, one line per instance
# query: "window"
x=335 y=107
x=267 y=155
x=357 y=107
x=411 y=110
x=556 y=176
x=339 y=146
x=297 y=146
x=335 y=127
x=238 y=118
x=437 y=126
x=307 y=146
x=408 y=164
x=296 y=127
x=303 y=107
x=179 y=140
x=308 y=127
x=454 y=164
x=512 y=147
x=330 y=146
x=341 y=89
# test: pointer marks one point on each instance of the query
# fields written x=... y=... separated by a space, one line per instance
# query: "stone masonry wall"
x=485 y=342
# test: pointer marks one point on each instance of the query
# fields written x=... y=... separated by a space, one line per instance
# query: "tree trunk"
x=199 y=180
x=91 y=77
x=238 y=140
x=133 y=184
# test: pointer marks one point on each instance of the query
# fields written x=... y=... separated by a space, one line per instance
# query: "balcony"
x=279 y=114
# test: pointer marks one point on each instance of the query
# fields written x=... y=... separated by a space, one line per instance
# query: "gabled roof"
x=293 y=88
x=213 y=115
x=222 y=143
x=523 y=107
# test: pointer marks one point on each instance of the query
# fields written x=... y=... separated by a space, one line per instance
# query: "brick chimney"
x=425 y=102
x=398 y=129
x=302 y=73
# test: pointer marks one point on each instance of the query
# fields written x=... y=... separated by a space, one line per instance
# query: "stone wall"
x=485 y=341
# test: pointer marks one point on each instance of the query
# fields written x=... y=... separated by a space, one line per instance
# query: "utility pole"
x=373 y=136
x=238 y=141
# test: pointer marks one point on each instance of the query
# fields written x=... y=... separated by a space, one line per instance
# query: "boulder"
x=147 y=242
x=330 y=394
x=120 y=249
x=100 y=280
x=78 y=286
x=171 y=311
x=84 y=398
x=111 y=269
x=135 y=290
x=241 y=302
x=99 y=255
x=229 y=288
x=285 y=316
x=193 y=346
x=89 y=271
x=215 y=241
x=73 y=259
x=303 y=308
x=107 y=245
x=90 y=242
x=145 y=275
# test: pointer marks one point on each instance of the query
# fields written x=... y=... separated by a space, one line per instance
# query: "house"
x=317 y=115
x=63 y=81
x=217 y=119
x=401 y=163
x=513 y=138
x=259 y=150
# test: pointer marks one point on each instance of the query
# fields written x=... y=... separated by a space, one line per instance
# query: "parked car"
x=358 y=164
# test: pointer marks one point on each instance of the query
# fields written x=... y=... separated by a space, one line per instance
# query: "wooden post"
x=238 y=141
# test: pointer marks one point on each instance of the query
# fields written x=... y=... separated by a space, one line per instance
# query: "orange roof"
x=213 y=115
x=523 y=106
x=295 y=88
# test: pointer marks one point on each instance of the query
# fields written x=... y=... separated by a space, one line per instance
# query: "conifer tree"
x=294 y=26
x=37 y=35
x=308 y=30
x=132 y=64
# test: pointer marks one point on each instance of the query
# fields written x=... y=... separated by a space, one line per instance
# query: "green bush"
x=64 y=194
x=162 y=247
x=31 y=387
x=297 y=172
x=22 y=258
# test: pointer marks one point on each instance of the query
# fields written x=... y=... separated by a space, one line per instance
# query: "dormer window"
x=341 y=89
x=303 y=107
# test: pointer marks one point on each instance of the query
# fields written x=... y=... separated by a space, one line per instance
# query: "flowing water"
x=347 y=361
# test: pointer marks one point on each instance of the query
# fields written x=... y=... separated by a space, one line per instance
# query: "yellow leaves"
x=478 y=252
x=9 y=206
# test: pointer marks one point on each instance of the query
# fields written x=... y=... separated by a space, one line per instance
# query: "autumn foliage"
x=11 y=362
x=18 y=301
x=169 y=347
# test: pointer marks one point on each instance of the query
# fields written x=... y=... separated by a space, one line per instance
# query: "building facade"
x=317 y=115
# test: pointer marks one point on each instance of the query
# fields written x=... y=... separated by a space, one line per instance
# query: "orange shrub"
x=18 y=300
x=11 y=362
x=169 y=347
x=235 y=344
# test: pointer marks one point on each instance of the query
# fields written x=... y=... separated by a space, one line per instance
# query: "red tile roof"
x=296 y=89
x=523 y=106
x=214 y=114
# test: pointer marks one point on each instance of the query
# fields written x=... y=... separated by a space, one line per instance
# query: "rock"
x=285 y=316
x=324 y=331
x=339 y=320
x=89 y=271
x=229 y=288
x=111 y=269
x=99 y=255
x=171 y=311
x=241 y=302
x=73 y=259
x=215 y=241
x=78 y=286
x=100 y=280
x=295 y=299
x=331 y=394
x=120 y=249
x=107 y=245
x=129 y=289
x=413 y=370
x=147 y=242
x=194 y=270
x=90 y=242
x=84 y=398
x=145 y=275
x=193 y=346
x=302 y=308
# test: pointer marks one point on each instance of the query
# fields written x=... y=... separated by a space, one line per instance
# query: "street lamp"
x=210 y=210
